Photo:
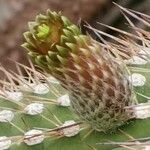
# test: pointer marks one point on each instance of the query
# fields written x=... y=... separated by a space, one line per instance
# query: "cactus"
x=80 y=94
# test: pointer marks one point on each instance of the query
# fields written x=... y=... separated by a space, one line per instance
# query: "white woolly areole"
x=5 y=143
x=34 y=108
x=142 y=111
x=33 y=137
x=41 y=89
x=147 y=148
x=70 y=131
x=52 y=80
x=15 y=96
x=6 y=116
x=145 y=51
x=136 y=60
x=28 y=87
x=64 y=100
x=137 y=79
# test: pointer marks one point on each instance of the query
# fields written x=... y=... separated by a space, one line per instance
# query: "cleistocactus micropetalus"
x=102 y=82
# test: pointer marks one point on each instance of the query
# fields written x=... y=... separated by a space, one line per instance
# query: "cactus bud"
x=98 y=85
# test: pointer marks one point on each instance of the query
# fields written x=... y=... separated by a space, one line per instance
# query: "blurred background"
x=14 y=15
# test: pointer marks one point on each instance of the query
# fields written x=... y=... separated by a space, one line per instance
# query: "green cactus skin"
x=56 y=51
